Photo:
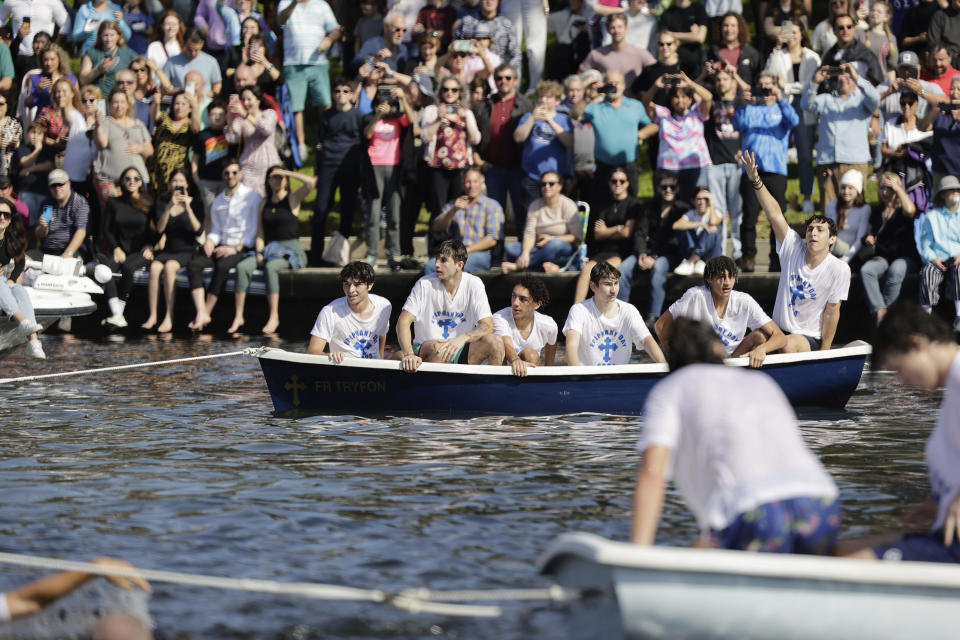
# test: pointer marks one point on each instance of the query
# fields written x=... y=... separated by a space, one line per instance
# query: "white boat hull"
x=660 y=592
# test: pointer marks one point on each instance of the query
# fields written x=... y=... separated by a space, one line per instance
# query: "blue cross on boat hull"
x=307 y=384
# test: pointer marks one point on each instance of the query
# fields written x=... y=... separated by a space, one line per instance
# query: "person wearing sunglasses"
x=14 y=301
x=552 y=233
x=448 y=131
x=850 y=50
x=388 y=48
x=655 y=244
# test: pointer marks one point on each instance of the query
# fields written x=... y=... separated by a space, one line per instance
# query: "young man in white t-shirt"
x=922 y=349
x=813 y=282
x=729 y=440
x=355 y=325
x=529 y=337
x=729 y=312
x=450 y=316
x=601 y=330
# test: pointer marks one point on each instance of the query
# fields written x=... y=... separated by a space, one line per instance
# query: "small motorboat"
x=307 y=384
x=58 y=293
x=630 y=591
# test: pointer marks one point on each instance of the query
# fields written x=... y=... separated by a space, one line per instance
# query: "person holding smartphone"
x=108 y=55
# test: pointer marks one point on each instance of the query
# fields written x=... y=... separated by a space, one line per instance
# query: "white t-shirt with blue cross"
x=606 y=341
x=743 y=312
x=441 y=317
x=345 y=332
x=804 y=292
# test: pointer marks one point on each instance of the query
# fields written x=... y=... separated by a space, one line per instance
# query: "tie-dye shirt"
x=682 y=145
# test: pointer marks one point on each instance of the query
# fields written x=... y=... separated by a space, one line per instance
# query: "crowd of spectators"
x=464 y=109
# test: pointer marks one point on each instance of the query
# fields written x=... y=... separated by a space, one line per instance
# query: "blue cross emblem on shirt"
x=363 y=344
x=446 y=324
x=608 y=347
x=795 y=294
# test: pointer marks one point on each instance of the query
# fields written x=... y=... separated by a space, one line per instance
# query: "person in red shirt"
x=939 y=69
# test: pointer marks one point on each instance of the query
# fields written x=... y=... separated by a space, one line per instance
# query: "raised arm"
x=768 y=203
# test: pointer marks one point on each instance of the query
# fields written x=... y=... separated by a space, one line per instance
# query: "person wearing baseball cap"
x=62 y=225
x=939 y=244
x=906 y=80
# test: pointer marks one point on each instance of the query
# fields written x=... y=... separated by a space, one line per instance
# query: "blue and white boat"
x=307 y=384
x=630 y=591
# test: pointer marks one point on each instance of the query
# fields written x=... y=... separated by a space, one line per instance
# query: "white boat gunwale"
x=855 y=349
x=614 y=554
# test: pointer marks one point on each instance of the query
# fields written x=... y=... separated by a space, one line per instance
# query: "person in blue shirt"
x=612 y=120
x=545 y=135
x=940 y=249
x=86 y=24
x=764 y=120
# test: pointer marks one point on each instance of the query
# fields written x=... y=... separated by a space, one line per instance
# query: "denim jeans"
x=627 y=267
x=658 y=283
x=387 y=178
x=476 y=261
x=500 y=182
x=704 y=245
x=873 y=270
x=555 y=250
x=724 y=181
x=15 y=299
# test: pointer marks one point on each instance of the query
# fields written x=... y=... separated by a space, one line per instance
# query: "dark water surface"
x=184 y=468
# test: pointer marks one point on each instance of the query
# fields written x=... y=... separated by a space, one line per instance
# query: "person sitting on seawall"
x=33 y=597
x=127 y=241
x=729 y=439
x=813 y=282
x=700 y=233
x=62 y=226
x=179 y=222
x=891 y=246
x=921 y=349
x=602 y=329
x=729 y=312
x=277 y=245
x=355 y=325
x=610 y=236
x=450 y=315
x=940 y=249
x=14 y=300
x=553 y=230
x=529 y=337
x=474 y=218
x=232 y=233
x=852 y=215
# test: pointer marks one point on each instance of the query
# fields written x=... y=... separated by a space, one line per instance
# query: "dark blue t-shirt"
x=341 y=133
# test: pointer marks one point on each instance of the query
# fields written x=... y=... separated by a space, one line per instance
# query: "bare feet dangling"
x=235 y=327
x=549 y=267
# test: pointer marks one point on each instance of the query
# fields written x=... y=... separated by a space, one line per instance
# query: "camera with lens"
x=609 y=90
x=761 y=93
x=385 y=94
x=671 y=81
x=947 y=107
x=910 y=73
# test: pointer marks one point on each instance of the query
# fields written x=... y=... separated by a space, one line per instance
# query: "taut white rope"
x=412 y=600
x=121 y=367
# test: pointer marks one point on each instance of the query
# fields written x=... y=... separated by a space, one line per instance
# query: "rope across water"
x=412 y=600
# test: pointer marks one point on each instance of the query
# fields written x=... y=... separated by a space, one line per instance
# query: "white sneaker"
x=807 y=206
x=26 y=327
x=116 y=321
x=303 y=153
x=35 y=350
x=699 y=266
x=685 y=268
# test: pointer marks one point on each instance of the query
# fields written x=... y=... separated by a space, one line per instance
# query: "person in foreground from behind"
x=920 y=347
x=728 y=438
x=31 y=598
x=813 y=282
x=729 y=312
x=355 y=325
x=450 y=315
x=529 y=337
x=602 y=329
